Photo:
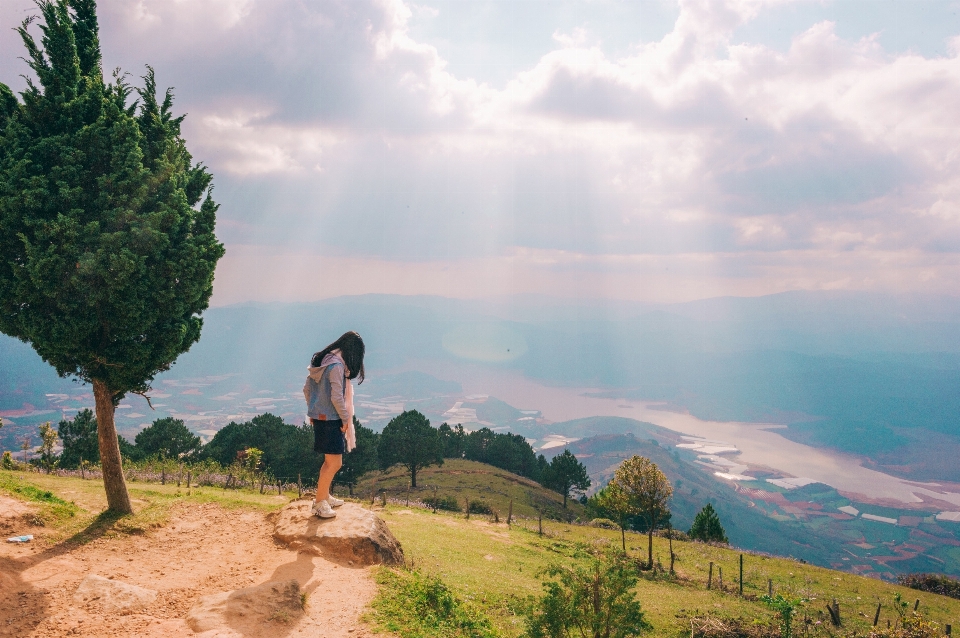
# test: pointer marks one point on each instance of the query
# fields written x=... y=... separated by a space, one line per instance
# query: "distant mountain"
x=869 y=374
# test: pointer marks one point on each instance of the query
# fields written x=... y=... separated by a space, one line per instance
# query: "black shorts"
x=327 y=437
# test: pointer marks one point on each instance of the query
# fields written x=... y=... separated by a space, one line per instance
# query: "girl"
x=329 y=395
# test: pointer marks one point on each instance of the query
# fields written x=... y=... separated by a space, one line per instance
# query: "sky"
x=644 y=150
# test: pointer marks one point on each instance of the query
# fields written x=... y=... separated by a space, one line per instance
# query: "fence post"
x=82 y=475
x=741 y=574
x=540 y=522
x=916 y=605
x=279 y=487
x=163 y=475
x=710 y=576
x=948 y=628
x=189 y=476
x=876 y=617
x=720 y=569
x=510 y=513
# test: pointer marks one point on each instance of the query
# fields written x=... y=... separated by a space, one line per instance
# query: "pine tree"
x=107 y=249
x=409 y=440
x=566 y=473
x=706 y=526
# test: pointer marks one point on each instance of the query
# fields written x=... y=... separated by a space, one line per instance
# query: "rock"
x=355 y=534
x=113 y=595
x=276 y=601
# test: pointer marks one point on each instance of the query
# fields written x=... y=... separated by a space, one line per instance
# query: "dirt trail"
x=203 y=550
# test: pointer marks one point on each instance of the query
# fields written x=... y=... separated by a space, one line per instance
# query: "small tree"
x=785 y=608
x=596 y=602
x=107 y=249
x=612 y=504
x=706 y=526
x=643 y=489
x=168 y=438
x=48 y=439
x=409 y=440
x=566 y=473
x=361 y=460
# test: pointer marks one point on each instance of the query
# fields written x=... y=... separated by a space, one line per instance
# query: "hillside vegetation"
x=477 y=482
x=496 y=569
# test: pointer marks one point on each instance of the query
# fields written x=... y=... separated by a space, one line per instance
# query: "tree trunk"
x=623 y=538
x=653 y=522
x=413 y=476
x=110 y=462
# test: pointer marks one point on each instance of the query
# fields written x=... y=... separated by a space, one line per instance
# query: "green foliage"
x=565 y=473
x=287 y=449
x=79 y=437
x=706 y=526
x=48 y=439
x=604 y=523
x=167 y=437
x=479 y=507
x=934 y=583
x=446 y=503
x=107 y=249
x=785 y=608
x=7 y=463
x=409 y=440
x=361 y=460
x=596 y=601
x=507 y=451
x=415 y=605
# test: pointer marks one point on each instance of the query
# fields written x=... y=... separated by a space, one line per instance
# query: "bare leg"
x=331 y=465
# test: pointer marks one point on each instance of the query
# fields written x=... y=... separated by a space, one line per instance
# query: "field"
x=492 y=566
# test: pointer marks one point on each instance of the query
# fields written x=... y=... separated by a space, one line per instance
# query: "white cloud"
x=327 y=124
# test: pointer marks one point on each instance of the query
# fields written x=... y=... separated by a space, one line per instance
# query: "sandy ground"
x=203 y=550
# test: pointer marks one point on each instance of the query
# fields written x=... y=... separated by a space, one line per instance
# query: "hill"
x=175 y=544
x=480 y=483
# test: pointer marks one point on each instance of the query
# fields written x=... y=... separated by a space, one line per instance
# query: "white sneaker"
x=334 y=501
x=322 y=509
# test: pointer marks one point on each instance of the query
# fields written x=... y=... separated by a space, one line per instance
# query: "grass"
x=497 y=568
x=477 y=482
x=84 y=516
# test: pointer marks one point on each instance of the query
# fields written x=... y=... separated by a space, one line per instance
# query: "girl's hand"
x=343 y=428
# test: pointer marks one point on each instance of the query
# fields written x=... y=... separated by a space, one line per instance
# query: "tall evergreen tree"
x=107 y=245
x=409 y=440
x=706 y=526
x=566 y=473
x=167 y=437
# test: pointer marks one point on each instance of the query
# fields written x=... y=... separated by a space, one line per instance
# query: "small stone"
x=113 y=595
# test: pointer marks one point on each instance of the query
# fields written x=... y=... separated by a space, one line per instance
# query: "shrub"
x=8 y=463
x=604 y=523
x=445 y=503
x=598 y=600
x=479 y=507
x=933 y=583
x=417 y=605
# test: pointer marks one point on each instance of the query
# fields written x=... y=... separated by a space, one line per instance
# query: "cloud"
x=330 y=128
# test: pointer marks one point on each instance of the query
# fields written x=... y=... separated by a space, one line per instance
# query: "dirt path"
x=204 y=550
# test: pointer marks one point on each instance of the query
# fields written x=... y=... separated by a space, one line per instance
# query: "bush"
x=417 y=605
x=675 y=534
x=445 y=503
x=598 y=600
x=933 y=583
x=604 y=523
x=479 y=507
x=8 y=463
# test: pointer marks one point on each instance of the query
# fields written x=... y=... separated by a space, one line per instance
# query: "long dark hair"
x=351 y=349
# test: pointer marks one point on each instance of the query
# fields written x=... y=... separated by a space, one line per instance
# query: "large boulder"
x=247 y=609
x=113 y=595
x=355 y=536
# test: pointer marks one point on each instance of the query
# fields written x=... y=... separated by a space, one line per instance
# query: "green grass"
x=497 y=568
x=416 y=605
x=74 y=509
x=474 y=481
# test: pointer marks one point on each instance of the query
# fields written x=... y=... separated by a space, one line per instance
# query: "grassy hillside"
x=462 y=480
x=496 y=567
